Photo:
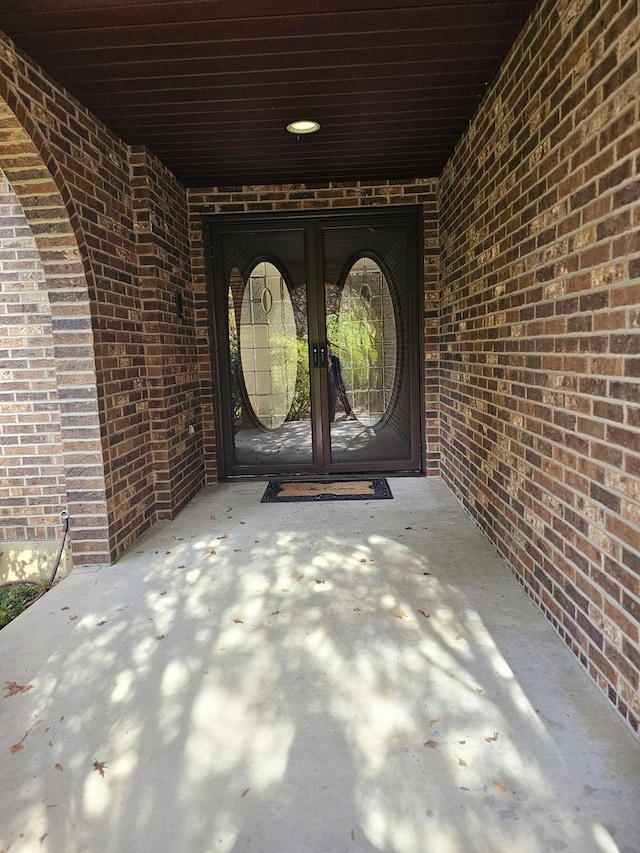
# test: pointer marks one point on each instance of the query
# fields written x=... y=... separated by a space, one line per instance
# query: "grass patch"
x=16 y=597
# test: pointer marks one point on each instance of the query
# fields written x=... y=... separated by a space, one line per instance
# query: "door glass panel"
x=268 y=363
x=367 y=282
x=268 y=347
x=363 y=331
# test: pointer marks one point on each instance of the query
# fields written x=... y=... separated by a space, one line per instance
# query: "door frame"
x=309 y=221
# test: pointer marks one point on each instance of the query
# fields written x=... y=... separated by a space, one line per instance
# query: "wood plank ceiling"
x=210 y=85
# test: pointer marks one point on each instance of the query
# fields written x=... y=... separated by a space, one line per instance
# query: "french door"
x=317 y=342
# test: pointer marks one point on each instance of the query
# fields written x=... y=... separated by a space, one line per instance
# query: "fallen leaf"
x=461 y=761
x=72 y=617
x=430 y=744
x=167 y=552
x=224 y=536
x=275 y=613
x=319 y=580
x=357 y=609
x=422 y=613
x=459 y=636
x=284 y=589
x=42 y=838
x=100 y=766
x=434 y=721
x=98 y=624
x=13 y=688
x=212 y=553
x=400 y=614
x=17 y=747
x=58 y=766
x=245 y=792
x=499 y=787
x=493 y=738
x=238 y=621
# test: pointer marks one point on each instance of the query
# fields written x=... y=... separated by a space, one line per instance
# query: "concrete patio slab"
x=322 y=677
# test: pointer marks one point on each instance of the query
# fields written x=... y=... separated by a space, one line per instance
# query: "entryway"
x=317 y=342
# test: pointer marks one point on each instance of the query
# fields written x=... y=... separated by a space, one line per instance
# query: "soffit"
x=210 y=85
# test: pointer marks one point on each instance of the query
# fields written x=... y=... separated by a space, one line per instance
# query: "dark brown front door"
x=317 y=343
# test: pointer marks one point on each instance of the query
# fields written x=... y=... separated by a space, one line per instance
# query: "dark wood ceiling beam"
x=28 y=15
x=437 y=57
x=88 y=60
x=468 y=72
x=280 y=85
x=357 y=100
x=195 y=32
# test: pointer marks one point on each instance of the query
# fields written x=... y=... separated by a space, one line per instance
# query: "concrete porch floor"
x=322 y=677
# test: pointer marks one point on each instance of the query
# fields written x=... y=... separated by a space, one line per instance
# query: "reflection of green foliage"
x=234 y=368
x=301 y=405
x=352 y=330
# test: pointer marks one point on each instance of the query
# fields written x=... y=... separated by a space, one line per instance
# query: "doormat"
x=326 y=490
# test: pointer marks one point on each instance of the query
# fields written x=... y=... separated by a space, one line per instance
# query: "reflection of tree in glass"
x=301 y=404
x=234 y=368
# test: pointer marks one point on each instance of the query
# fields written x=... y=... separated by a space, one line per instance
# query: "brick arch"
x=40 y=188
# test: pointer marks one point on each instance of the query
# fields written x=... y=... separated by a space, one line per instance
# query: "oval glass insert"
x=268 y=349
x=365 y=340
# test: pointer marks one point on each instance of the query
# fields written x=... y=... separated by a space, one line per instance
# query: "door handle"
x=319 y=355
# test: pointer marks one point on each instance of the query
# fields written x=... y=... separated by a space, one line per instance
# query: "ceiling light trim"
x=303 y=126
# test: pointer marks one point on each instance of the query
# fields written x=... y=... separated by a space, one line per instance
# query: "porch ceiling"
x=210 y=85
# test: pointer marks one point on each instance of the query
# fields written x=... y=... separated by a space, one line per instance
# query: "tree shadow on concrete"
x=313 y=679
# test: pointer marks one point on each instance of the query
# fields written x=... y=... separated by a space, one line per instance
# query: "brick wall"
x=110 y=272
x=334 y=195
x=167 y=305
x=32 y=489
x=64 y=299
x=541 y=328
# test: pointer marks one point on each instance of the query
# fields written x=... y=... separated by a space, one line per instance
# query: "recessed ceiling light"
x=303 y=126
